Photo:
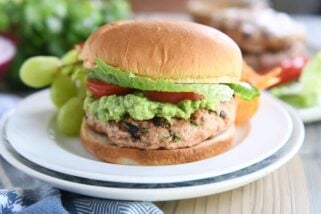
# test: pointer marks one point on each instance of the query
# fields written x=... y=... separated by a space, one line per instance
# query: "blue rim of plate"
x=298 y=129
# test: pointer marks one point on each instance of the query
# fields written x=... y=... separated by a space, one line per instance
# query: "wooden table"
x=294 y=188
x=284 y=191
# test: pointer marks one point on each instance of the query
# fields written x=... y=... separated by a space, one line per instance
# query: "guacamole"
x=139 y=107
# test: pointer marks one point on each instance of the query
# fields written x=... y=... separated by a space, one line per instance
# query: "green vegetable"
x=194 y=123
x=50 y=27
x=114 y=75
x=244 y=90
x=176 y=138
x=139 y=107
x=306 y=92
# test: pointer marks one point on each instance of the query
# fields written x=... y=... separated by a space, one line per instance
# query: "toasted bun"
x=179 y=51
x=100 y=146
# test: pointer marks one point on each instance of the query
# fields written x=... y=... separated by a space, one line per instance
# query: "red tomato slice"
x=292 y=68
x=172 y=97
x=99 y=89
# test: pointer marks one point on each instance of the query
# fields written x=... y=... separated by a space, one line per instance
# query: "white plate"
x=159 y=192
x=309 y=115
x=28 y=133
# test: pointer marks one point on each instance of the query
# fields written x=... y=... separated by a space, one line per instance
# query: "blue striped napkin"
x=24 y=194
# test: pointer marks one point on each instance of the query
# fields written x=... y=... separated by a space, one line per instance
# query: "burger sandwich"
x=161 y=92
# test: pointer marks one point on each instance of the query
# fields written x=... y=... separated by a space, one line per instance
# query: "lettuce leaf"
x=306 y=92
x=244 y=90
x=223 y=92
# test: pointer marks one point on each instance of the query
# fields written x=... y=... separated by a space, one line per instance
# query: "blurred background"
x=32 y=27
x=289 y=6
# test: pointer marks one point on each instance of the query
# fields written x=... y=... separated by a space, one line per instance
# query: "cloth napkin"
x=20 y=193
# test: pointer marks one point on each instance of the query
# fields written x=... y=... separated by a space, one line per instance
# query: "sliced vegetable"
x=292 y=68
x=305 y=93
x=245 y=90
x=172 y=97
x=114 y=75
x=246 y=110
x=267 y=80
x=99 y=89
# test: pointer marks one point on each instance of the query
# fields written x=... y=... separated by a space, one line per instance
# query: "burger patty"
x=256 y=31
x=160 y=134
x=269 y=59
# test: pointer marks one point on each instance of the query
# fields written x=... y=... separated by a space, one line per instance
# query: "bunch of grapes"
x=67 y=78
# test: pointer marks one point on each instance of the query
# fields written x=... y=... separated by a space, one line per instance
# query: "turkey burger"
x=161 y=92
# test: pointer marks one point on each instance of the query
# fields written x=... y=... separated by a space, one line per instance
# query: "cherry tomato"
x=99 y=89
x=292 y=68
x=172 y=97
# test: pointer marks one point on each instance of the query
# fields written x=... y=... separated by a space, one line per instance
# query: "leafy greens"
x=306 y=92
x=114 y=75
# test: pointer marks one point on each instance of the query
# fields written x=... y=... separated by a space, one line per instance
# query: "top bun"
x=178 y=51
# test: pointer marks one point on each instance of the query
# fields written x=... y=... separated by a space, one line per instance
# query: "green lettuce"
x=244 y=90
x=306 y=92
x=114 y=75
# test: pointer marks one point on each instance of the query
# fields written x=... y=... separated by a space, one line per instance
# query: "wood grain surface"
x=283 y=191
x=311 y=157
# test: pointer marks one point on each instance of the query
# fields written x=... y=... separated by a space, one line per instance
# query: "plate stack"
x=29 y=142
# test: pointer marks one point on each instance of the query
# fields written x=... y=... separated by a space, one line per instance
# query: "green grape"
x=70 y=116
x=82 y=89
x=72 y=56
x=39 y=71
x=62 y=89
x=79 y=73
x=69 y=59
x=66 y=70
x=80 y=78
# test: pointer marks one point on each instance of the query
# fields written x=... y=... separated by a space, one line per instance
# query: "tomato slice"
x=99 y=89
x=292 y=68
x=172 y=97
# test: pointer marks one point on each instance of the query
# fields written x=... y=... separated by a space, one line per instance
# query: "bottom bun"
x=99 y=145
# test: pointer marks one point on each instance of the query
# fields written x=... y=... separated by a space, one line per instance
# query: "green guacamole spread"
x=139 y=107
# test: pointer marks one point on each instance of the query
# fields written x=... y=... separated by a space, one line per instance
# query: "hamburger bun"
x=180 y=52
x=99 y=145
x=183 y=52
